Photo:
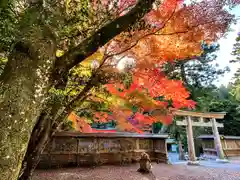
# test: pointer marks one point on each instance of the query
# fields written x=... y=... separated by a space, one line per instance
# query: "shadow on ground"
x=160 y=172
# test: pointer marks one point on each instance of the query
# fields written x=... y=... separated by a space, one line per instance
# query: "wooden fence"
x=76 y=149
x=230 y=145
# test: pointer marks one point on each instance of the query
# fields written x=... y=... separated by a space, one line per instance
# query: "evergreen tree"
x=236 y=50
x=236 y=54
x=197 y=72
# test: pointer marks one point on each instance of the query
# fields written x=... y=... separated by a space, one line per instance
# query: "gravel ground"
x=160 y=172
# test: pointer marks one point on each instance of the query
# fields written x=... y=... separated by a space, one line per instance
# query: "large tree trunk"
x=24 y=86
x=48 y=123
x=39 y=138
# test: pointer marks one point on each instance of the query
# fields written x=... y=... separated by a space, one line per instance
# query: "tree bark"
x=36 y=145
x=183 y=74
x=24 y=86
x=47 y=125
x=21 y=103
x=180 y=149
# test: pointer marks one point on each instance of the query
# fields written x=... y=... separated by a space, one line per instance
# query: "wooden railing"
x=73 y=148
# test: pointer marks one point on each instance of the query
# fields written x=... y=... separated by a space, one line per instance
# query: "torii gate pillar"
x=217 y=141
x=191 y=148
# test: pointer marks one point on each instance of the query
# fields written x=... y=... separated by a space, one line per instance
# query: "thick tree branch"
x=98 y=39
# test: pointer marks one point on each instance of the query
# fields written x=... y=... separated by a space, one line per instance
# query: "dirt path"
x=160 y=172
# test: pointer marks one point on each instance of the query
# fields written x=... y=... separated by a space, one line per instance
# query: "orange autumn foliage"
x=175 y=33
x=101 y=117
x=142 y=92
x=79 y=123
x=170 y=32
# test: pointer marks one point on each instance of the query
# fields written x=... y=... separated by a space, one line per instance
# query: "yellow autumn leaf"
x=59 y=53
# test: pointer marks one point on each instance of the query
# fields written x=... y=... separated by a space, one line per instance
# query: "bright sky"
x=224 y=54
x=226 y=45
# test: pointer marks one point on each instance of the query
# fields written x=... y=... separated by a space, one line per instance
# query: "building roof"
x=171 y=141
x=115 y=134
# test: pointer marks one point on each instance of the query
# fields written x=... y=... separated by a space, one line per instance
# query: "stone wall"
x=77 y=149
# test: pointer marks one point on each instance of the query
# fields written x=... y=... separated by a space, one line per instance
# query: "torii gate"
x=189 y=123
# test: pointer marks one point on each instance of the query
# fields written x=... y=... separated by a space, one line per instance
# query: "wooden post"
x=191 y=149
x=217 y=140
x=180 y=149
x=137 y=144
x=201 y=119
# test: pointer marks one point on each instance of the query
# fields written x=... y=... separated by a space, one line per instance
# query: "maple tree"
x=37 y=29
x=178 y=34
x=78 y=38
x=142 y=93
